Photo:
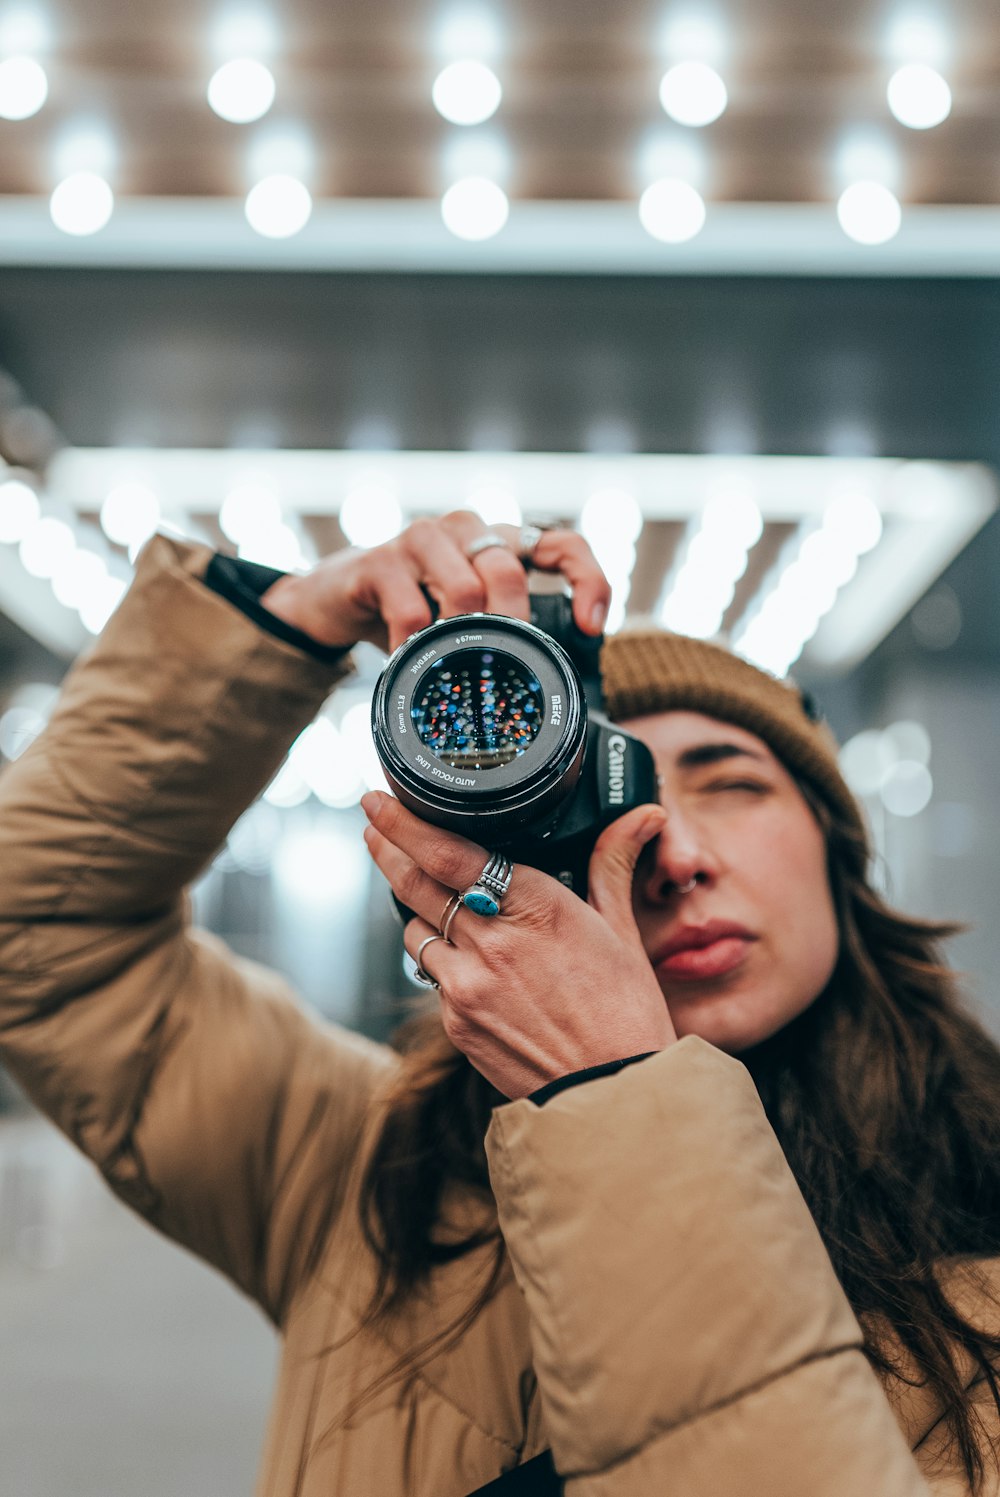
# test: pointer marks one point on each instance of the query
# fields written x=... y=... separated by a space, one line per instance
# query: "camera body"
x=492 y=728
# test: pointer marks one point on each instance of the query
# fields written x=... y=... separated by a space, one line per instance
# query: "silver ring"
x=692 y=883
x=451 y=909
x=527 y=541
x=485 y=896
x=531 y=533
x=421 y=976
x=485 y=543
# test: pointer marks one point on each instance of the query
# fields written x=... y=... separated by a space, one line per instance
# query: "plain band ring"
x=485 y=543
x=451 y=909
x=419 y=973
x=531 y=533
x=527 y=542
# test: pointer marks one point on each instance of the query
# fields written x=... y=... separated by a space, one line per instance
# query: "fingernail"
x=371 y=804
x=651 y=827
x=598 y=614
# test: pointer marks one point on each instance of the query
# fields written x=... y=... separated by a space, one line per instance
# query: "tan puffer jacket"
x=672 y=1324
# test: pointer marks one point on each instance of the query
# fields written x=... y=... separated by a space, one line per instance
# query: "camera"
x=492 y=727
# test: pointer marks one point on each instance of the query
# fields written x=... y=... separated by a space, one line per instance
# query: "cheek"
x=802 y=917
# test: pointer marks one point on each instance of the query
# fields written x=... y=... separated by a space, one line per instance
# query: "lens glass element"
x=477 y=709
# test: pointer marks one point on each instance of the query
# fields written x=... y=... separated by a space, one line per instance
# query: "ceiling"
x=580 y=99
x=177 y=327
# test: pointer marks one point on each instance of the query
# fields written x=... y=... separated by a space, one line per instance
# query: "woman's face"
x=755 y=941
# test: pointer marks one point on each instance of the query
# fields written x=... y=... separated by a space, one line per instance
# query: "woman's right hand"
x=376 y=595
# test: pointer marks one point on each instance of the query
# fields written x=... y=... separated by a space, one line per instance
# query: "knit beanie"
x=646 y=669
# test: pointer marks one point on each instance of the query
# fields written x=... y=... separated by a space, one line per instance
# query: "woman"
x=627 y=1270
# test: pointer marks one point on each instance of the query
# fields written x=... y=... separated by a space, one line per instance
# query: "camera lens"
x=479 y=709
x=481 y=718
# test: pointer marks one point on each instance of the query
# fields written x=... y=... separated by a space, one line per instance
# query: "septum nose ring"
x=692 y=883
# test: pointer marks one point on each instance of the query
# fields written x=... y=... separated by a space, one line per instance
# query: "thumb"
x=613 y=861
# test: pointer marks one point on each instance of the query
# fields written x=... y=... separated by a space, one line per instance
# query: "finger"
x=434 y=958
x=418 y=891
x=506 y=582
x=452 y=861
x=567 y=552
x=393 y=592
x=503 y=575
x=443 y=567
x=613 y=863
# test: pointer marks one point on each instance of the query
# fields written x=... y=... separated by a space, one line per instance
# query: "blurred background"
x=719 y=284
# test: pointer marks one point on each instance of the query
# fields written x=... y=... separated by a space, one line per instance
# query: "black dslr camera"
x=492 y=728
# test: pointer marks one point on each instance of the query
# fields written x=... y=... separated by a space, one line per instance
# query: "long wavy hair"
x=884 y=1095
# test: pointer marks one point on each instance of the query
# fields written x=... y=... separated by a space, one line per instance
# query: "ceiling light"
x=866 y=155
x=476 y=153
x=910 y=740
x=475 y=208
x=694 y=34
x=611 y=513
x=23 y=88
x=241 y=91
x=672 y=210
x=467 y=30
x=45 y=546
x=18 y=510
x=918 y=96
x=247 y=510
x=280 y=149
x=130 y=513
x=665 y=152
x=856 y=518
x=369 y=515
x=467 y=92
x=99 y=607
x=692 y=93
x=241 y=31
x=82 y=204
x=918 y=36
x=278 y=207
x=494 y=506
x=356 y=733
x=279 y=548
x=869 y=213
x=326 y=764
x=866 y=759
x=288 y=788
x=78 y=578
x=906 y=788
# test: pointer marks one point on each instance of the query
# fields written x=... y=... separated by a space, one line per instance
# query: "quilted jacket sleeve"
x=689 y=1333
x=208 y=1097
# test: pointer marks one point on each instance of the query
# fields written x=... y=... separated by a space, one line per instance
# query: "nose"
x=679 y=859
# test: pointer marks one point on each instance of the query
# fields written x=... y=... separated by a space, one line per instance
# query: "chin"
x=731 y=1022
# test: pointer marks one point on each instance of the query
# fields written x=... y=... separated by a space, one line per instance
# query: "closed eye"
x=754 y=785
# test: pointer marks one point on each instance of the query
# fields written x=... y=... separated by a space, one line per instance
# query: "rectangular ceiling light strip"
x=872 y=534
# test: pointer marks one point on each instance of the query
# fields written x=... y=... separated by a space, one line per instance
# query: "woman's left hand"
x=549 y=986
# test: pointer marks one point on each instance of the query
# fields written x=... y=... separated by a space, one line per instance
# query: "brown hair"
x=884 y=1095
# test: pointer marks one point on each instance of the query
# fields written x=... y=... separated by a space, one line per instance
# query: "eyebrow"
x=712 y=753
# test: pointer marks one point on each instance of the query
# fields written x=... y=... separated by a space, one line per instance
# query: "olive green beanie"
x=646 y=669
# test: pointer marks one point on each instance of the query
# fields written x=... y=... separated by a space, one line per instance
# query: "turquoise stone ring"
x=480 y=902
x=485 y=896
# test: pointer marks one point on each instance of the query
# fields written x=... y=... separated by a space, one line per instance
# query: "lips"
x=704 y=950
